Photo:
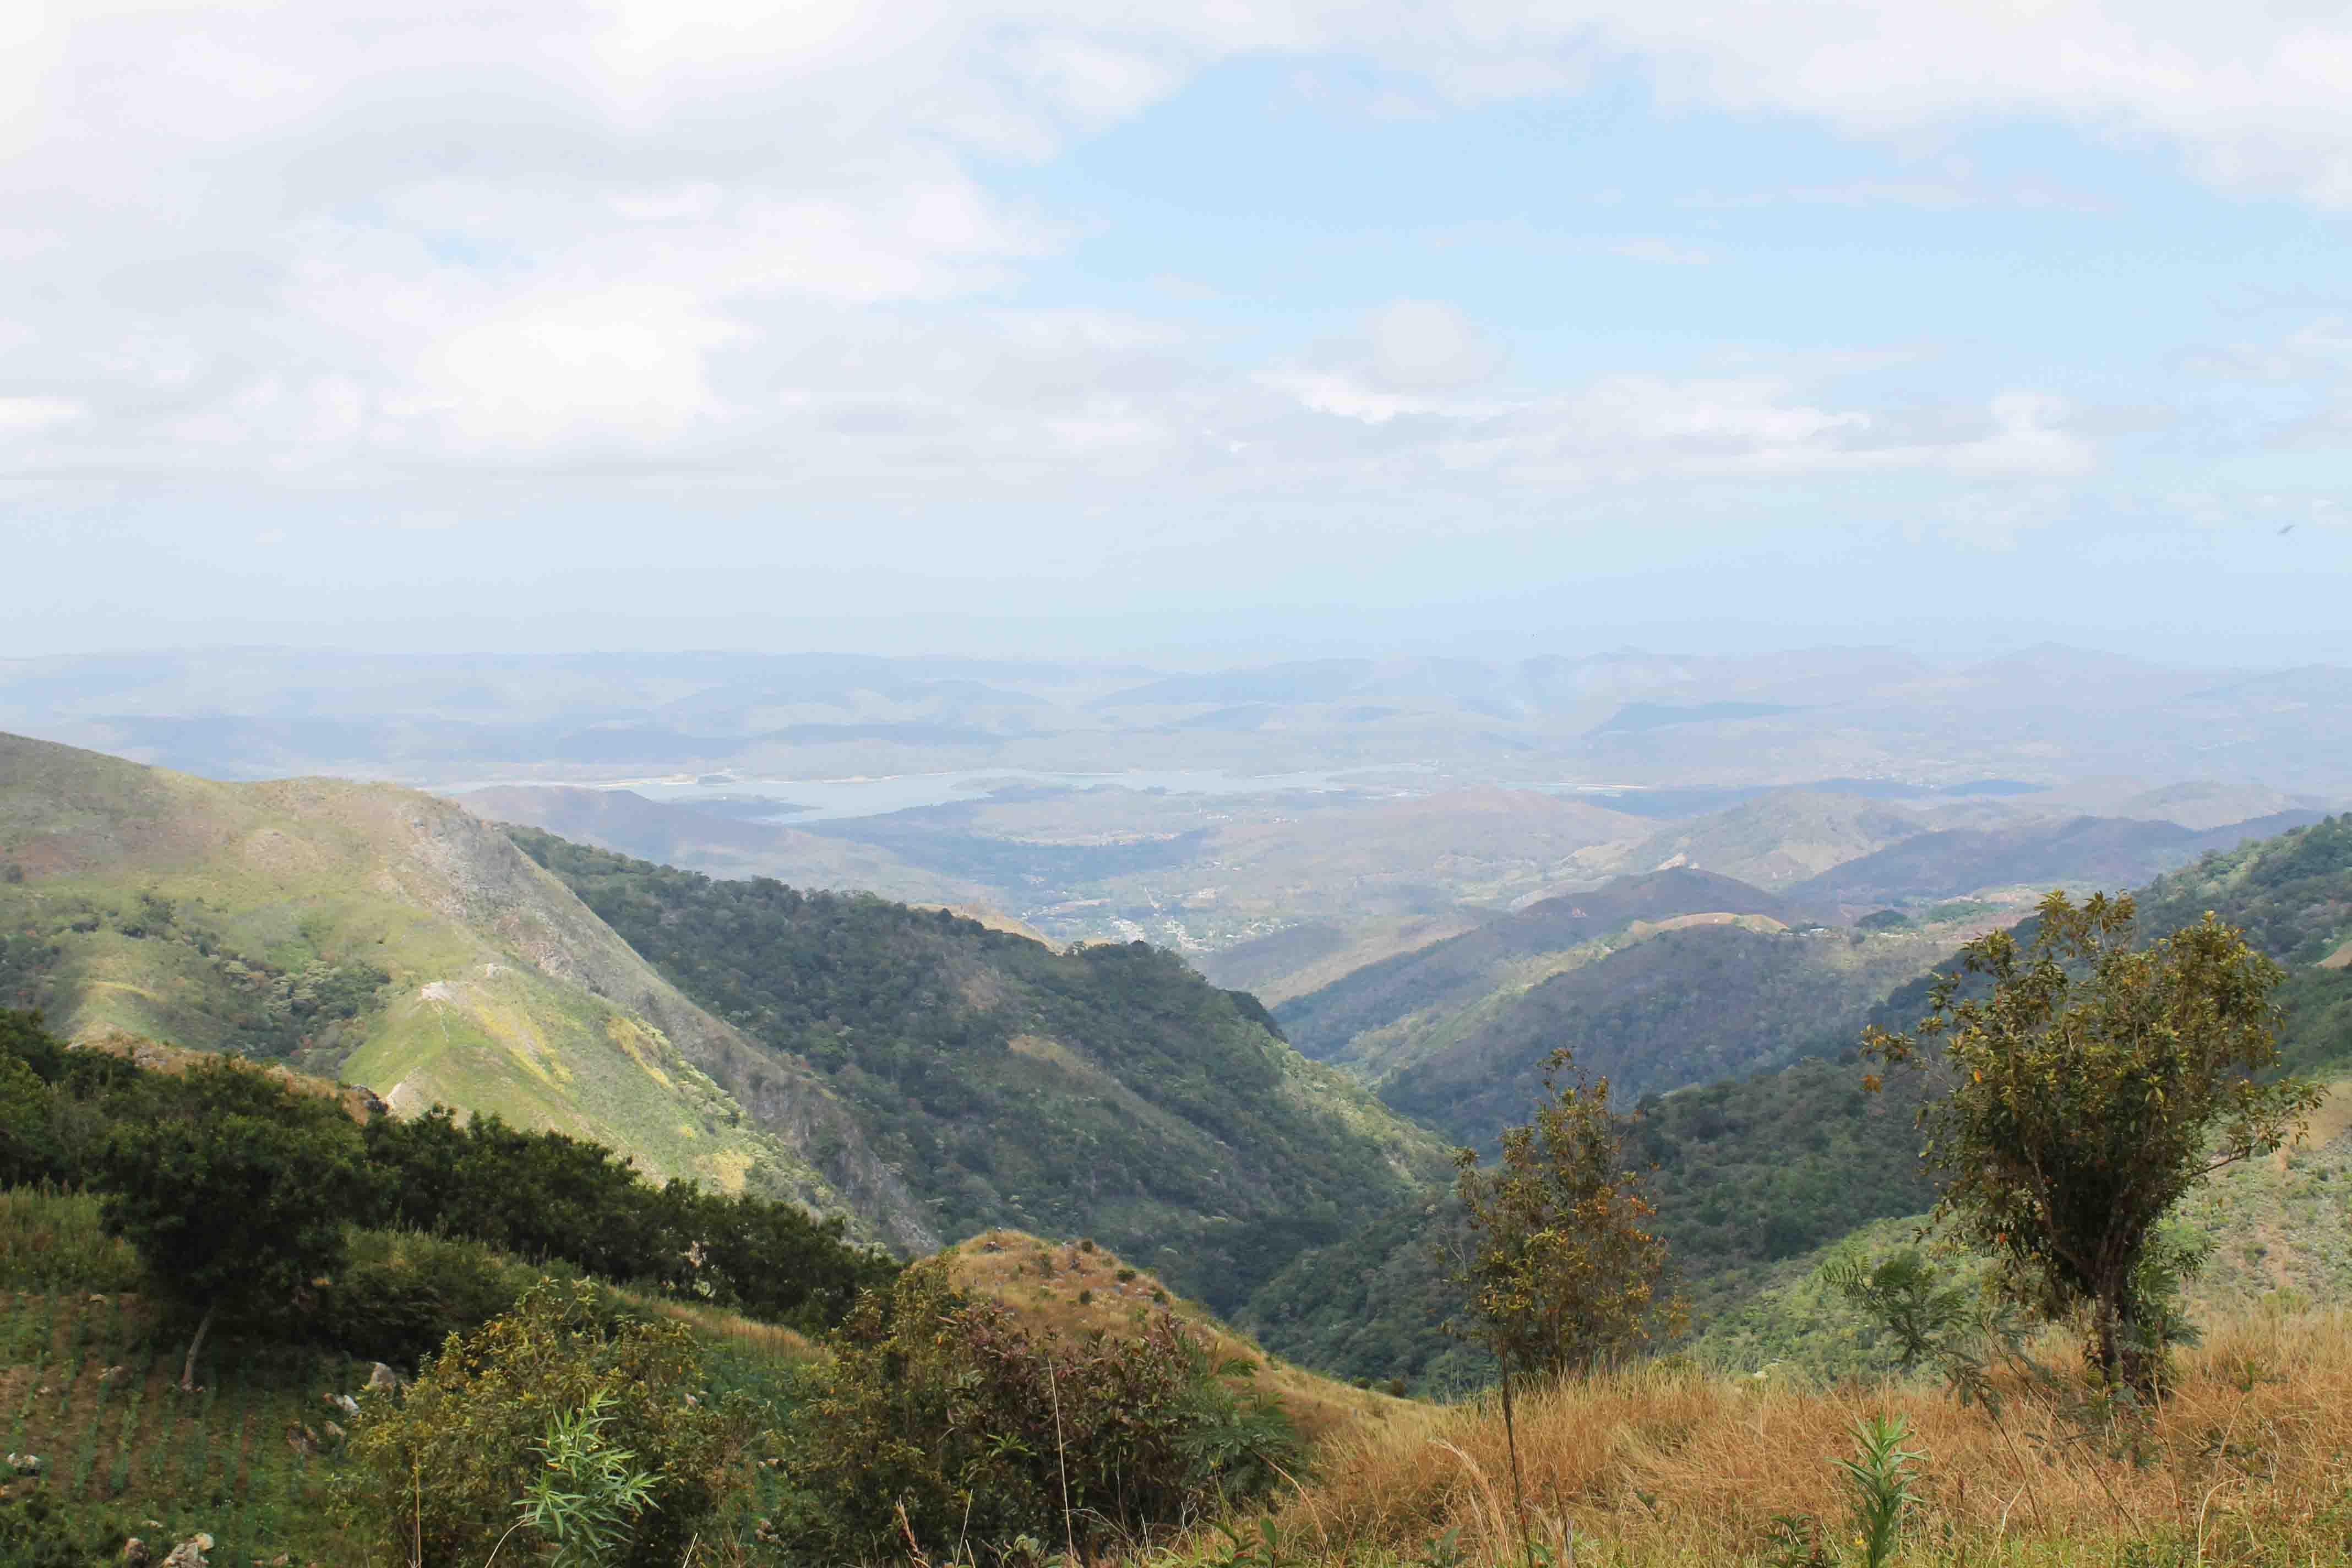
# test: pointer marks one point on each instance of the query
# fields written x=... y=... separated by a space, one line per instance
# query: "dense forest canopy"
x=1104 y=1090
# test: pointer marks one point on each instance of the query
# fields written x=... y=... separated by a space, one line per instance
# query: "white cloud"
x=1427 y=343
x=350 y=237
x=628 y=363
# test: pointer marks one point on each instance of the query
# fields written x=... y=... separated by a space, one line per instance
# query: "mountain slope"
x=1680 y=1006
x=1459 y=971
x=1776 y=841
x=1106 y=1090
x=391 y=937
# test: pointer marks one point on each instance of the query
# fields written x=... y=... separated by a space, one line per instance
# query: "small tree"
x=2087 y=1084
x=1906 y=1294
x=235 y=1190
x=1563 y=1272
x=1560 y=1271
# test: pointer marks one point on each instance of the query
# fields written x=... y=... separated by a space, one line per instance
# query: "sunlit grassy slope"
x=210 y=915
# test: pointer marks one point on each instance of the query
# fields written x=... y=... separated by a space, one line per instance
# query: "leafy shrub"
x=188 y=1191
x=448 y=1464
x=586 y=1499
x=237 y=1194
x=1916 y=1304
x=401 y=1293
x=983 y=1433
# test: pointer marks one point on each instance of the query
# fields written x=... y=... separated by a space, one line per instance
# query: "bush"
x=401 y=1293
x=238 y=1196
x=447 y=1464
x=948 y=1408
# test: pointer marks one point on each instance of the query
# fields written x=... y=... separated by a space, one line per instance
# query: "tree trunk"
x=2124 y=1361
x=1519 y=1487
x=188 y=1368
x=2110 y=1352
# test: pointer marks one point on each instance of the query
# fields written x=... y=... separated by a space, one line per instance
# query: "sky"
x=1032 y=326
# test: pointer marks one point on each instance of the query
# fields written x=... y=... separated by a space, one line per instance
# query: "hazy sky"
x=530 y=325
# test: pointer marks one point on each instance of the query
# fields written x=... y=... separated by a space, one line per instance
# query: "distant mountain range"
x=724 y=844
x=1659 y=981
x=2044 y=716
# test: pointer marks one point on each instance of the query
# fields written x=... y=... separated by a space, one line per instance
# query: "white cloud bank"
x=345 y=238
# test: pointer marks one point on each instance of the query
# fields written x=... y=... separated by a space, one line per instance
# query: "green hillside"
x=2279 y=1230
x=1675 y=977
x=383 y=935
x=1107 y=1091
x=1513 y=948
x=1671 y=1008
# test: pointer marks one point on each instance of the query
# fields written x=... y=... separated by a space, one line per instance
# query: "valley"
x=1206 y=1039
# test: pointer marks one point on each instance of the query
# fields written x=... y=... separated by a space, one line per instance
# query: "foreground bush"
x=443 y=1470
x=983 y=1434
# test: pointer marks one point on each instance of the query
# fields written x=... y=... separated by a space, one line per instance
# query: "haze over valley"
x=1278 y=825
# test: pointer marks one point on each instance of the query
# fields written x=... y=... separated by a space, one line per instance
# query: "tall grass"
x=2246 y=1459
x=51 y=1241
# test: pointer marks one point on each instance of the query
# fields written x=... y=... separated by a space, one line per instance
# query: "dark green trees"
x=236 y=1191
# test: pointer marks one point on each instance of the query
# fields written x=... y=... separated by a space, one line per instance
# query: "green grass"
x=51 y=1241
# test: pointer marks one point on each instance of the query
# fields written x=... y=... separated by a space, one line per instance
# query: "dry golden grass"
x=770 y=1340
x=1043 y=1282
x=2247 y=1460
